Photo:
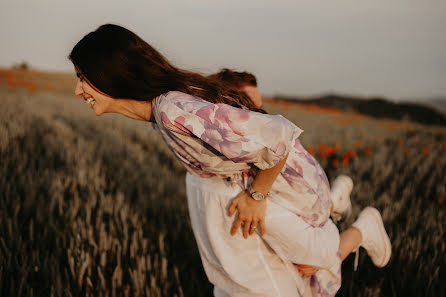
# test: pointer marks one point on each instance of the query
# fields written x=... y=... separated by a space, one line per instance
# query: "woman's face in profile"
x=97 y=100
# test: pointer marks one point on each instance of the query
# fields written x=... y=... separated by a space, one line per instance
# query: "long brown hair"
x=122 y=65
x=235 y=79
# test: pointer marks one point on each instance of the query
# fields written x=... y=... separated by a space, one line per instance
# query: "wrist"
x=257 y=195
x=259 y=188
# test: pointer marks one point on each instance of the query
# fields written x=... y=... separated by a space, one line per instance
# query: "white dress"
x=223 y=147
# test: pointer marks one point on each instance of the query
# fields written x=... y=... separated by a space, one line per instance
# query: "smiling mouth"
x=90 y=101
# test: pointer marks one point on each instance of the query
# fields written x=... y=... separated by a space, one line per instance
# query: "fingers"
x=236 y=225
x=306 y=270
x=307 y=273
x=262 y=227
x=232 y=207
x=246 y=229
x=253 y=227
x=250 y=215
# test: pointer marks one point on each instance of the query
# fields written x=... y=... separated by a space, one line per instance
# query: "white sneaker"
x=374 y=236
x=340 y=197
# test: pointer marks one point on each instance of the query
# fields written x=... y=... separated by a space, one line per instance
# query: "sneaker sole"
x=384 y=237
x=340 y=216
x=346 y=181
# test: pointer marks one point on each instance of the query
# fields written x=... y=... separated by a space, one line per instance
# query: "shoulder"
x=177 y=110
x=176 y=105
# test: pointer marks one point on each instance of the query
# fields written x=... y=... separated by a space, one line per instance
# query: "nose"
x=78 y=91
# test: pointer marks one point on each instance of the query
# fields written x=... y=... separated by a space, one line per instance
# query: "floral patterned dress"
x=221 y=141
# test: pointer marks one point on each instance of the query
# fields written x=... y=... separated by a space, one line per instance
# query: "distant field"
x=96 y=206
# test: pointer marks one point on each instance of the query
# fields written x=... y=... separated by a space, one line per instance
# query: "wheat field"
x=96 y=206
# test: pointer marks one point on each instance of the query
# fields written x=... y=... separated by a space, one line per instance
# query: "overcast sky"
x=395 y=49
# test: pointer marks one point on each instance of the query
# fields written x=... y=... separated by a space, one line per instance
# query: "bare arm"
x=265 y=178
x=252 y=212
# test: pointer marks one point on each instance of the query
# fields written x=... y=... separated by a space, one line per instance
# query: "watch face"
x=258 y=196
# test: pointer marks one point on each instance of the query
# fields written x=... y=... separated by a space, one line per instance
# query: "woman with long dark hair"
x=241 y=160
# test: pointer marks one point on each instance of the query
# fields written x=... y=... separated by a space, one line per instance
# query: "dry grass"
x=96 y=206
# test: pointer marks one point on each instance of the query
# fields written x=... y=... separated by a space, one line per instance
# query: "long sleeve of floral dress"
x=218 y=140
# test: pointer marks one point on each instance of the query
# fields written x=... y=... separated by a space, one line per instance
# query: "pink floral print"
x=218 y=140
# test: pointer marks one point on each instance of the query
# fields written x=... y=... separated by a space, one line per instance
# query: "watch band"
x=256 y=195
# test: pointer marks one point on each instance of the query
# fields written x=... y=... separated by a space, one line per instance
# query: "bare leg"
x=349 y=240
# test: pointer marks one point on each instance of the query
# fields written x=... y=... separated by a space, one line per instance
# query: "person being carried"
x=340 y=206
x=242 y=160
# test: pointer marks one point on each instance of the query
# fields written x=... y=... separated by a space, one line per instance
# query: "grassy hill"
x=379 y=108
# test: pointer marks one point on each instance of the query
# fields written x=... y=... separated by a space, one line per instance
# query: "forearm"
x=265 y=178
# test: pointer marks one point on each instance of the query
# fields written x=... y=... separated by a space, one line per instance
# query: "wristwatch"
x=256 y=195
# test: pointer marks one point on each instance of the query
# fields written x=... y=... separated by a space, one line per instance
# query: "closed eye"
x=81 y=78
